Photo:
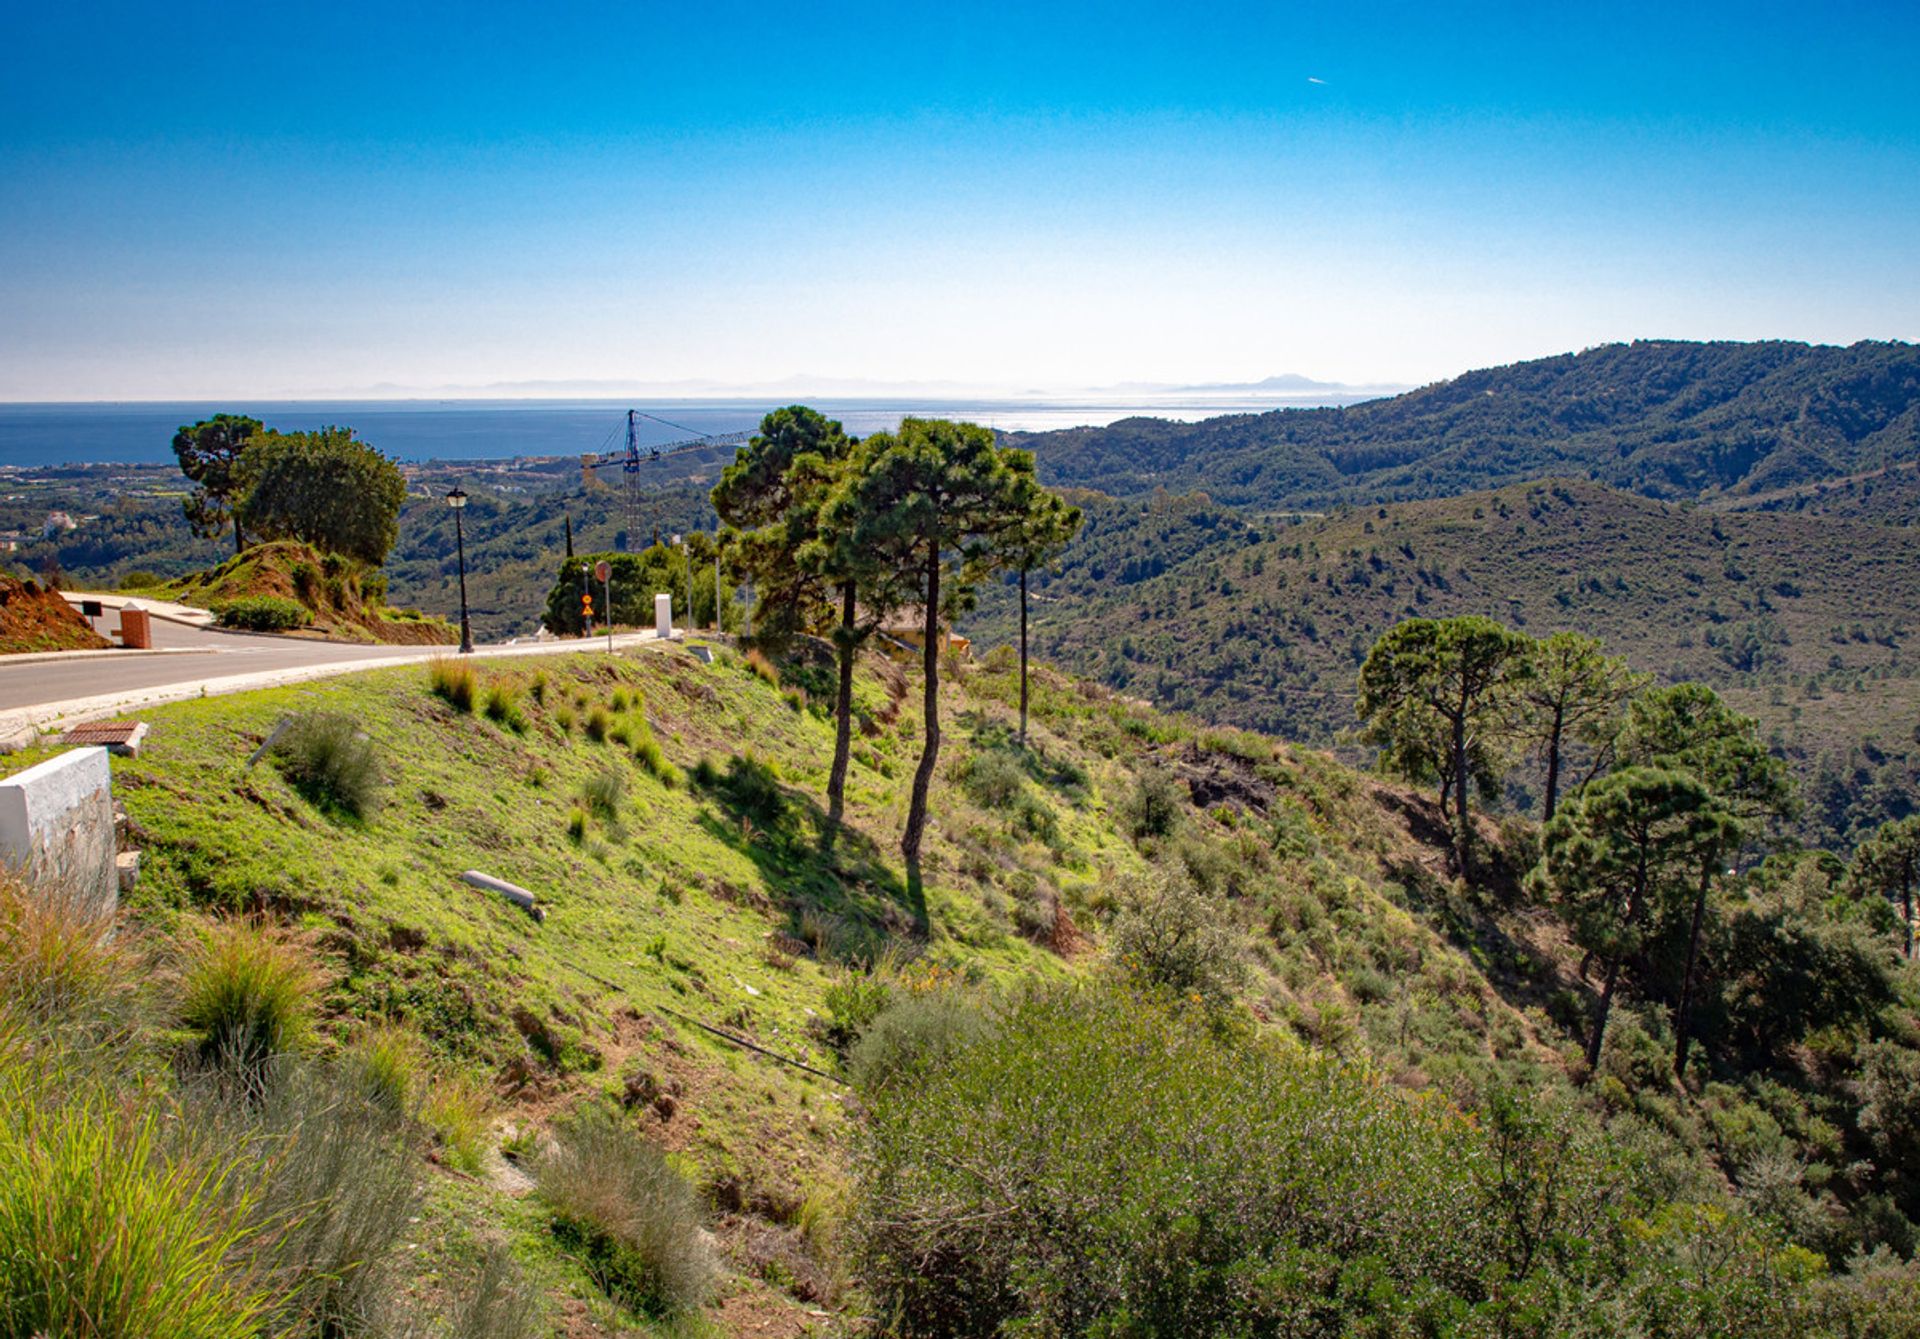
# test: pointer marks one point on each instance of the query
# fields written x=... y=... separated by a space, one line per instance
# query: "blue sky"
x=205 y=199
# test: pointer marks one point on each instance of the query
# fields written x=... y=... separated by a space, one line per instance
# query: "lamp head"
x=456 y=497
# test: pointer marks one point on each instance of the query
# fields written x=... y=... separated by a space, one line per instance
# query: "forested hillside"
x=1806 y=623
x=1666 y=418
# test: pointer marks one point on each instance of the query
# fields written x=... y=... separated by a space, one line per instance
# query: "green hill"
x=667 y=814
x=1666 y=418
x=1807 y=623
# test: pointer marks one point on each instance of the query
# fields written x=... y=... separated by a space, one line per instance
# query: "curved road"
x=38 y=692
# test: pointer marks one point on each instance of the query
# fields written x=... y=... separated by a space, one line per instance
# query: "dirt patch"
x=33 y=618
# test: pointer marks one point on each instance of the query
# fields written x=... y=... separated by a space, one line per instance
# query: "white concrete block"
x=56 y=824
x=663 y=615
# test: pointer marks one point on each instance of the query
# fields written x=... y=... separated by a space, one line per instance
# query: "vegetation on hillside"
x=1666 y=418
x=1269 y=628
x=286 y=586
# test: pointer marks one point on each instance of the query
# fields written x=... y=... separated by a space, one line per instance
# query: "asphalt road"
x=38 y=694
x=214 y=655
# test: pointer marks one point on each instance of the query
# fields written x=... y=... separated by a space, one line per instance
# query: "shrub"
x=619 y=701
x=577 y=821
x=604 y=791
x=599 y=724
x=58 y=962
x=634 y=1219
x=1154 y=805
x=537 y=690
x=751 y=786
x=992 y=778
x=853 y=1002
x=564 y=718
x=138 y=579
x=262 y=613
x=373 y=588
x=326 y=758
x=503 y=707
x=1174 y=937
x=244 y=991
x=455 y=681
x=912 y=1034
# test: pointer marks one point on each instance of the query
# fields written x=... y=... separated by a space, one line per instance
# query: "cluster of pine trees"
x=842 y=536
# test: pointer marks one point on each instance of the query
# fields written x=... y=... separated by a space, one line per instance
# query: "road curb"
x=22 y=726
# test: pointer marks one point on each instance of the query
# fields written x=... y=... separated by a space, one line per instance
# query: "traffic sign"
x=602 y=570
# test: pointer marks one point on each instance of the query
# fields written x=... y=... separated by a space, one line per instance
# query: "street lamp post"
x=457 y=499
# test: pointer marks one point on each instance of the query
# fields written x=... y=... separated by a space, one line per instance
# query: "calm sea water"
x=415 y=430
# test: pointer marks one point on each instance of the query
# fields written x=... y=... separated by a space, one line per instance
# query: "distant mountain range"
x=1669 y=419
x=804 y=386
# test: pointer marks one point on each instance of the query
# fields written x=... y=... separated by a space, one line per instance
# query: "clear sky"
x=211 y=199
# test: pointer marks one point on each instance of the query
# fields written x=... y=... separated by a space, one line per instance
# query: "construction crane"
x=632 y=460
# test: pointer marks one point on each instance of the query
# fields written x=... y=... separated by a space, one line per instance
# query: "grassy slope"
x=1270 y=635
x=689 y=906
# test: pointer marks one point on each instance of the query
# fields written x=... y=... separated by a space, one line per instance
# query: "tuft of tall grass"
x=386 y=1067
x=325 y=757
x=245 y=992
x=762 y=667
x=633 y=1217
x=106 y=1228
x=537 y=690
x=564 y=717
x=455 y=1110
x=503 y=707
x=57 y=961
x=577 y=821
x=603 y=792
x=599 y=724
x=455 y=681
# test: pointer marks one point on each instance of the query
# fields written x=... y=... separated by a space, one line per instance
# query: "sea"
x=427 y=430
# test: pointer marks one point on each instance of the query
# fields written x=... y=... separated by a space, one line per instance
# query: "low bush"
x=261 y=613
x=1173 y=937
x=139 y=579
x=750 y=786
x=853 y=1002
x=455 y=1110
x=914 y=1033
x=631 y=1216
x=325 y=756
x=455 y=681
x=385 y=1067
x=1154 y=805
x=245 y=993
x=992 y=778
x=578 y=821
x=1102 y=1163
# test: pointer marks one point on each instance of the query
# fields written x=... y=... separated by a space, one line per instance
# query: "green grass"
x=246 y=994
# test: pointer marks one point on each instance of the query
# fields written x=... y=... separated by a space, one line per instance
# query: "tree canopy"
x=209 y=454
x=325 y=488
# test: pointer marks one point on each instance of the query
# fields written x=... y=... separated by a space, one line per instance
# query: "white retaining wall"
x=56 y=824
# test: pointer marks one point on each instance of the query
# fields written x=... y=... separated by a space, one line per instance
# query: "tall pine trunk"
x=1605 y=1007
x=1682 y=1016
x=930 y=747
x=1023 y=657
x=1553 y=761
x=842 y=715
x=1464 y=824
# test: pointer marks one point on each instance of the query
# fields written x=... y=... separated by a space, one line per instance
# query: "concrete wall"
x=56 y=824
